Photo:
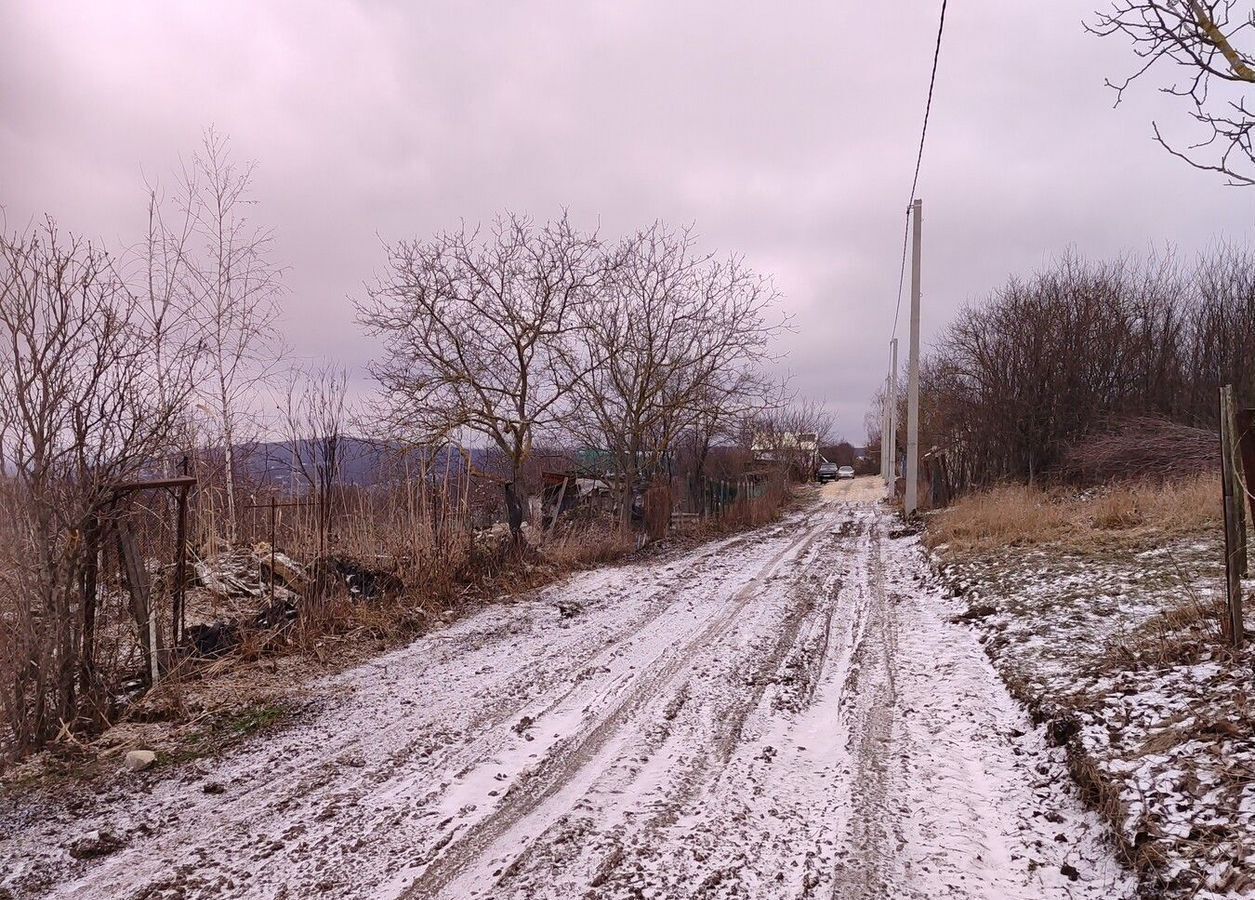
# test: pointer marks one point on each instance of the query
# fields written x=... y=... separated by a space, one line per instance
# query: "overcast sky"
x=785 y=131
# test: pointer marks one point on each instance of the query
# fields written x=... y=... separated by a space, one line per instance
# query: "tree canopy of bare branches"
x=479 y=334
x=674 y=343
x=1205 y=46
x=234 y=304
x=1018 y=379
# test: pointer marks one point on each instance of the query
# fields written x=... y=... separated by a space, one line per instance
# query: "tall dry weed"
x=1133 y=513
x=589 y=546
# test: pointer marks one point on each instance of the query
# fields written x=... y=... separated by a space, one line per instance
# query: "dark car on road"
x=827 y=472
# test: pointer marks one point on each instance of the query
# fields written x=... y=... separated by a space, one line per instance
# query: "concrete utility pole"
x=884 y=435
x=892 y=399
x=912 y=383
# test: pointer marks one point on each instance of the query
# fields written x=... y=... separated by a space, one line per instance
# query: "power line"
x=932 y=80
x=919 y=158
x=906 y=229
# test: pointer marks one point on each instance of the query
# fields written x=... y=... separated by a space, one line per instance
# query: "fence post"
x=178 y=614
x=1245 y=438
x=272 y=549
x=1234 y=542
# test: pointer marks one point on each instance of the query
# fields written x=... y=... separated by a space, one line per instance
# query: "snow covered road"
x=785 y=713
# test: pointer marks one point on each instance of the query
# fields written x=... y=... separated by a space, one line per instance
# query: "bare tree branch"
x=1201 y=40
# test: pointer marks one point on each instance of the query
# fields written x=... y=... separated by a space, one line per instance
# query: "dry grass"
x=1008 y=515
x=1183 y=634
x=755 y=511
x=1130 y=514
x=423 y=547
x=590 y=546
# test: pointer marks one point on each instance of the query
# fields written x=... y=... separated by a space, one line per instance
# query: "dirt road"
x=786 y=713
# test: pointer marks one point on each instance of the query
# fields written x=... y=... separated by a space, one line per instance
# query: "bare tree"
x=82 y=405
x=314 y=419
x=160 y=270
x=1200 y=41
x=791 y=435
x=722 y=408
x=478 y=331
x=674 y=344
x=236 y=303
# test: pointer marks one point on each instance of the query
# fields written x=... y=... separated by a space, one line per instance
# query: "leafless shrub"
x=1044 y=365
x=86 y=401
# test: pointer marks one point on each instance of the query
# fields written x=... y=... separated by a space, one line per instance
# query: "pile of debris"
x=363 y=583
x=261 y=589
x=1141 y=447
x=253 y=572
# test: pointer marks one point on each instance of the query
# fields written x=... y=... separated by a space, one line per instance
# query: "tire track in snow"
x=304 y=765
x=790 y=658
x=786 y=714
x=566 y=759
x=891 y=782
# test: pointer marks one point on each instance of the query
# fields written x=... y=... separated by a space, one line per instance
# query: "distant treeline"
x=1022 y=376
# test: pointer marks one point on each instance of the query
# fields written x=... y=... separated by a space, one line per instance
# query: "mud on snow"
x=785 y=713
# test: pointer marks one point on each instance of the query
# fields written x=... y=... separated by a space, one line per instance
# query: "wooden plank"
x=137 y=583
x=557 y=510
x=1232 y=545
x=1245 y=420
x=181 y=481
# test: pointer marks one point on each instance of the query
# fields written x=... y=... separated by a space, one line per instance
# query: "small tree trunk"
x=514 y=511
x=87 y=653
x=228 y=449
x=229 y=465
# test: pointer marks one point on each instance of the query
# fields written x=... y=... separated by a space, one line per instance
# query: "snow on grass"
x=1119 y=649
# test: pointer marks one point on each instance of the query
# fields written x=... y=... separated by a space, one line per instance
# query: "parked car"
x=845 y=472
x=827 y=472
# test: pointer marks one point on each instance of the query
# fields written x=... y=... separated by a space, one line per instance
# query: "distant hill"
x=363 y=462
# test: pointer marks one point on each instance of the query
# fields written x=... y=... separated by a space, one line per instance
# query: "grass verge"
x=206 y=706
x=1101 y=612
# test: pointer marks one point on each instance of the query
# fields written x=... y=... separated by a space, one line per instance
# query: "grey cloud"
x=786 y=132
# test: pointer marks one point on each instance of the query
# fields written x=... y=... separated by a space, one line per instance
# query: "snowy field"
x=786 y=713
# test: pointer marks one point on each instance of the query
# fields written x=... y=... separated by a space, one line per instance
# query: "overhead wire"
x=919 y=158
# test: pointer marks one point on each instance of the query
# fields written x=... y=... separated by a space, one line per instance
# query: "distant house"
x=797 y=449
